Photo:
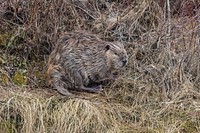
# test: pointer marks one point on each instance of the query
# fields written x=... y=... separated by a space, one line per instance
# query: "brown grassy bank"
x=158 y=91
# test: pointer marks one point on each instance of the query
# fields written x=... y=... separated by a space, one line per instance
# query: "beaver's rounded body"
x=81 y=61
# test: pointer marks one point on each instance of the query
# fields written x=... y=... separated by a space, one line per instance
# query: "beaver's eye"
x=115 y=53
x=107 y=47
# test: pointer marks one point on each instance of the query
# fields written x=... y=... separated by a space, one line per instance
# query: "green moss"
x=20 y=78
x=11 y=39
x=4 y=39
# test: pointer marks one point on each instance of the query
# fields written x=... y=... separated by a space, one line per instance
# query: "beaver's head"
x=116 y=55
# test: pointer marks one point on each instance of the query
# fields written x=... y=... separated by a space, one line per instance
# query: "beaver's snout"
x=124 y=61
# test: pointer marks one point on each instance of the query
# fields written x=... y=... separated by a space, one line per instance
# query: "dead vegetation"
x=158 y=92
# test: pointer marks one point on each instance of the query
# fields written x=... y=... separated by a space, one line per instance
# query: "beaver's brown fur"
x=81 y=61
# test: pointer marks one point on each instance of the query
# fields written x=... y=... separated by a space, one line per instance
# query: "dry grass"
x=158 y=92
x=30 y=112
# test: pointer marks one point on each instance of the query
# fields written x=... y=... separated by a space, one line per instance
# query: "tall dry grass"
x=157 y=92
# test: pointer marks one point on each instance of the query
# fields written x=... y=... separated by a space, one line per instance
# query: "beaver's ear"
x=107 y=47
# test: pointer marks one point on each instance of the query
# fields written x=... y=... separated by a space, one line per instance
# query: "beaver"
x=81 y=61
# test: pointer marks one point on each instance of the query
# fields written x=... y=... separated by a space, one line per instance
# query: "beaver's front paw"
x=97 y=88
x=92 y=89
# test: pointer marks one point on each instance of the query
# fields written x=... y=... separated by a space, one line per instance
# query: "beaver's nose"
x=124 y=61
